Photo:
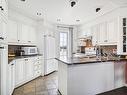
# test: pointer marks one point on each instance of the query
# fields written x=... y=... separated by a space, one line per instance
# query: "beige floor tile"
x=41 y=86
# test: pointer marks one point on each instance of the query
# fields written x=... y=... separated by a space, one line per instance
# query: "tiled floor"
x=41 y=86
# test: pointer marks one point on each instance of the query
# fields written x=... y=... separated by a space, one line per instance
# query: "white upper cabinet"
x=3 y=30
x=22 y=34
x=32 y=34
x=102 y=33
x=12 y=32
x=112 y=28
x=105 y=33
x=95 y=30
x=4 y=8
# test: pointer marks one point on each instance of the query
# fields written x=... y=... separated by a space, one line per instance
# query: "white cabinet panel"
x=95 y=30
x=12 y=31
x=4 y=9
x=3 y=69
x=24 y=32
x=20 y=76
x=103 y=33
x=19 y=33
x=50 y=66
x=112 y=29
x=11 y=77
x=3 y=31
x=32 y=35
x=28 y=69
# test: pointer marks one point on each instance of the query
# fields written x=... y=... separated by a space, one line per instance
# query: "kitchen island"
x=85 y=76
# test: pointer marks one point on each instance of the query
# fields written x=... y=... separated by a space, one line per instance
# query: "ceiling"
x=60 y=11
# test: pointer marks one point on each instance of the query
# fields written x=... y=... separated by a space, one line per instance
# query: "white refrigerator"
x=49 y=55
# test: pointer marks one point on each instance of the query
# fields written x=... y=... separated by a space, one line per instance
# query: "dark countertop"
x=118 y=91
x=10 y=59
x=83 y=60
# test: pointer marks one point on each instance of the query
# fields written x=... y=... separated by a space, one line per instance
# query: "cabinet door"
x=3 y=30
x=95 y=30
x=19 y=71
x=28 y=69
x=12 y=31
x=103 y=33
x=11 y=78
x=4 y=8
x=32 y=33
x=24 y=33
x=112 y=31
x=50 y=66
x=3 y=69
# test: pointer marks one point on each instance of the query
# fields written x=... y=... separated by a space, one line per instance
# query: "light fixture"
x=98 y=9
x=73 y=2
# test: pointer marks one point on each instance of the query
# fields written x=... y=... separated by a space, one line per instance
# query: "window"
x=63 y=43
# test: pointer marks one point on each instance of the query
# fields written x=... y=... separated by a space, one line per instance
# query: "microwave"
x=29 y=50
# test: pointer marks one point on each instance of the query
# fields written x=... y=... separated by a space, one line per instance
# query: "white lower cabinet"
x=19 y=71
x=51 y=65
x=27 y=69
x=11 y=78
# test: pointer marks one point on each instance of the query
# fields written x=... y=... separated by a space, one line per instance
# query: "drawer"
x=37 y=67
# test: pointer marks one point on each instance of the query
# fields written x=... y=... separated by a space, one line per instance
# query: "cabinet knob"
x=1 y=47
x=18 y=40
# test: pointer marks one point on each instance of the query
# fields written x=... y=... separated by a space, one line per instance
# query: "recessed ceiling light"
x=77 y=20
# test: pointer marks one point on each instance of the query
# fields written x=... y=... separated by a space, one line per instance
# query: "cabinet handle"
x=29 y=41
x=18 y=40
x=105 y=40
x=26 y=59
x=1 y=47
x=1 y=38
x=12 y=64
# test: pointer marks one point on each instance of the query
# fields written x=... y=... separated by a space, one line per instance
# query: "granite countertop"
x=10 y=59
x=84 y=60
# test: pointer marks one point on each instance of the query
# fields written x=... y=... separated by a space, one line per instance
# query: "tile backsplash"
x=13 y=48
x=108 y=49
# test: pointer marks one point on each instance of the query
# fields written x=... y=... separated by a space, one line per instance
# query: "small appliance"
x=29 y=50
